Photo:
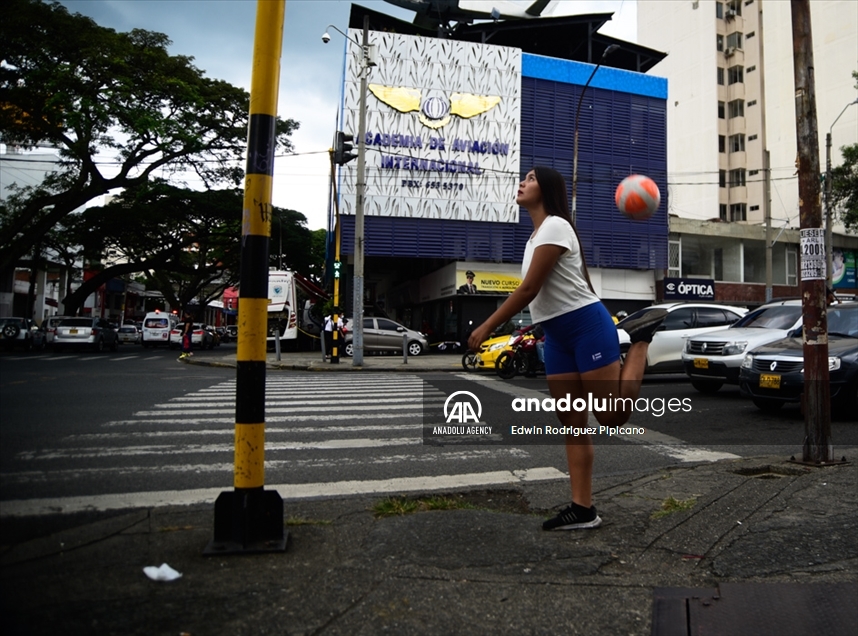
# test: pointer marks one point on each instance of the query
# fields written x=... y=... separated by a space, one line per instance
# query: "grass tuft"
x=397 y=506
x=671 y=505
x=303 y=521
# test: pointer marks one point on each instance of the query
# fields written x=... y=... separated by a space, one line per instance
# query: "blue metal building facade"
x=622 y=131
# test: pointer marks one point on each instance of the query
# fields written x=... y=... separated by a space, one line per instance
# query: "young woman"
x=582 y=351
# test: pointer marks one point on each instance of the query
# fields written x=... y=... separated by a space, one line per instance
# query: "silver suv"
x=713 y=359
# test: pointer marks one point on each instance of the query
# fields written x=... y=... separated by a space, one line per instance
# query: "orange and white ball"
x=637 y=197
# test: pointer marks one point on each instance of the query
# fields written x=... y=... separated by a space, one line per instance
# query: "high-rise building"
x=730 y=106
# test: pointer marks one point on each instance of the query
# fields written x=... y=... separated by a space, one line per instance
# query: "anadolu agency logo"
x=462 y=411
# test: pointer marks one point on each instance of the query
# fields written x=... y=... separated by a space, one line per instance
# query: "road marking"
x=90 y=359
x=269 y=430
x=268 y=419
x=652 y=440
x=289 y=492
x=271 y=465
x=296 y=402
x=123 y=358
x=369 y=407
x=186 y=449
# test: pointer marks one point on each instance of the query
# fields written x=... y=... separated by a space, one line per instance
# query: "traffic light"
x=343 y=148
x=338 y=266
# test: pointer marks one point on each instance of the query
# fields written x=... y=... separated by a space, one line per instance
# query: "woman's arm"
x=544 y=259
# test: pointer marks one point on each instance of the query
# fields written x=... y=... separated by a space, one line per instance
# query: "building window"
x=738 y=211
x=749 y=35
x=735 y=6
x=734 y=75
x=737 y=179
x=734 y=40
x=719 y=10
x=722 y=143
x=752 y=138
x=720 y=76
x=736 y=108
x=750 y=69
x=722 y=211
x=752 y=173
x=753 y=102
x=722 y=178
x=674 y=259
x=737 y=143
x=720 y=110
x=719 y=42
x=754 y=208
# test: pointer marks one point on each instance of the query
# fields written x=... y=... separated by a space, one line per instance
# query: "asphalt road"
x=136 y=421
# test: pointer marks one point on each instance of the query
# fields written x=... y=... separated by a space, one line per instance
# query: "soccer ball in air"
x=637 y=197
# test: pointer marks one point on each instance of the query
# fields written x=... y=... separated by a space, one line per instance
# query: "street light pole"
x=828 y=220
x=357 y=300
x=605 y=54
x=367 y=62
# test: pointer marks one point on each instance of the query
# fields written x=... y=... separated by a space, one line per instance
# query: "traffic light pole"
x=357 y=300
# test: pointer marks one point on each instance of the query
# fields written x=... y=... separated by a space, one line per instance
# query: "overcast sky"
x=219 y=35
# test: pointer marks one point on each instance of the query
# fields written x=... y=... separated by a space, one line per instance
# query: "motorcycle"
x=521 y=357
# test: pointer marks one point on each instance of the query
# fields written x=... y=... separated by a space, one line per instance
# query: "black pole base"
x=248 y=521
x=809 y=462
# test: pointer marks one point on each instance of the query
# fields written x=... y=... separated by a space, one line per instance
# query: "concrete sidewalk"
x=312 y=361
x=750 y=546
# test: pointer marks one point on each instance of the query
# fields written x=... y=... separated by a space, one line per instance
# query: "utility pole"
x=767 y=172
x=816 y=400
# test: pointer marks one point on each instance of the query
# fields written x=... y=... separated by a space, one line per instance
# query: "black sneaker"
x=574 y=517
x=643 y=328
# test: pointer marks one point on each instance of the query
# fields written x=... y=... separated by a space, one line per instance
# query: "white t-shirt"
x=566 y=287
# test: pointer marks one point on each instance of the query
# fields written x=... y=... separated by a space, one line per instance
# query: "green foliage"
x=89 y=91
x=844 y=187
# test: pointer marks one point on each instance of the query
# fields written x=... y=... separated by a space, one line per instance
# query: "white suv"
x=683 y=321
x=713 y=359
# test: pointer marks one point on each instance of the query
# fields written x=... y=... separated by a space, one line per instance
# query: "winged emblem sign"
x=434 y=112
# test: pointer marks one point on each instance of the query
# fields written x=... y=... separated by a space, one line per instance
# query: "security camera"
x=326 y=37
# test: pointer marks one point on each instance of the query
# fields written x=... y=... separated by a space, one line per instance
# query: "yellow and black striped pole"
x=250 y=519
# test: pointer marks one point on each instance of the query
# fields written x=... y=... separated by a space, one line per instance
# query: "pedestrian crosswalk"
x=322 y=431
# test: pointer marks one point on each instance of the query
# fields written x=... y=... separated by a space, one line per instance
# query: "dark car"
x=773 y=375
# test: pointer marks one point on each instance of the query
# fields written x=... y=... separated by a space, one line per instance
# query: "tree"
x=89 y=92
x=844 y=187
x=844 y=183
x=185 y=241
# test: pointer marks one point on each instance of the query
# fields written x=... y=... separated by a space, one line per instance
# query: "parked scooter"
x=521 y=356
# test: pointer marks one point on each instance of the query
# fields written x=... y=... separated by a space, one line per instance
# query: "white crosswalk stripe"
x=316 y=428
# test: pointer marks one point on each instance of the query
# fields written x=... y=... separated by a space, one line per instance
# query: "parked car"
x=97 y=333
x=773 y=374
x=129 y=333
x=49 y=326
x=382 y=334
x=232 y=330
x=683 y=321
x=201 y=337
x=713 y=359
x=22 y=333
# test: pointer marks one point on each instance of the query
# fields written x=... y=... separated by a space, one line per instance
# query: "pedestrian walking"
x=582 y=352
x=187 y=332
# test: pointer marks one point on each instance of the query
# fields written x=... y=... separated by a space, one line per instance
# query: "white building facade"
x=730 y=104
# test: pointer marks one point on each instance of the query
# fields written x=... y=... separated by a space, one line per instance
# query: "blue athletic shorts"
x=580 y=341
